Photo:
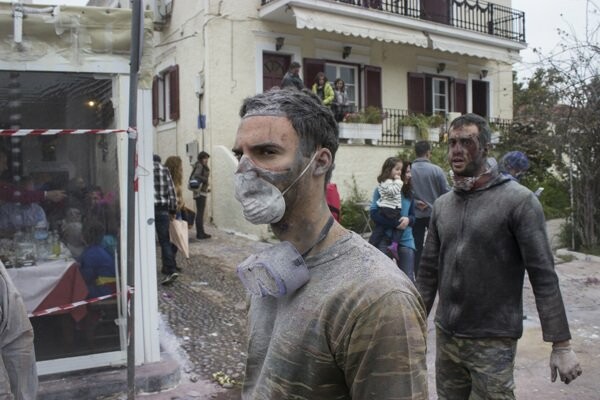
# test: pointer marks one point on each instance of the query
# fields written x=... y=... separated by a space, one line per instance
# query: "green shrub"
x=353 y=217
x=555 y=197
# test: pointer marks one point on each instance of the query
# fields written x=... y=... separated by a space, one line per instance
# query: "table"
x=51 y=284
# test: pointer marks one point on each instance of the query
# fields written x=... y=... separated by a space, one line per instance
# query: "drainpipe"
x=18 y=24
x=19 y=12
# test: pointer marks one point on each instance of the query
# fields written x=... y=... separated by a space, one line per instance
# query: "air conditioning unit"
x=162 y=13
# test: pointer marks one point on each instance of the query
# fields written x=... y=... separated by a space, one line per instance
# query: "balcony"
x=396 y=132
x=470 y=15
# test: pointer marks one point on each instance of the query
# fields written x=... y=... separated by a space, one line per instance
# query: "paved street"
x=204 y=312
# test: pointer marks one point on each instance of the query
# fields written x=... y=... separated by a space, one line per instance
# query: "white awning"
x=350 y=26
x=458 y=46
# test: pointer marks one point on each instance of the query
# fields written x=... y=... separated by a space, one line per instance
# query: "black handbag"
x=193 y=184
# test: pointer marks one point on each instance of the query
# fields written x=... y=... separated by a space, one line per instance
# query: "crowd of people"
x=169 y=205
x=333 y=96
x=330 y=316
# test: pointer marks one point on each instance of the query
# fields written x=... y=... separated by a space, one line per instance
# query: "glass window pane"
x=78 y=218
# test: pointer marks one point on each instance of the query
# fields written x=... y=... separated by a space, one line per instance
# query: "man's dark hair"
x=421 y=148
x=313 y=122
x=156 y=158
x=93 y=231
x=485 y=133
x=294 y=64
x=202 y=155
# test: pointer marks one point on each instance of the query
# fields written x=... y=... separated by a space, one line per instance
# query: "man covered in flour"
x=330 y=317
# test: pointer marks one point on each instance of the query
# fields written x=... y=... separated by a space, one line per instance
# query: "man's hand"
x=421 y=205
x=564 y=360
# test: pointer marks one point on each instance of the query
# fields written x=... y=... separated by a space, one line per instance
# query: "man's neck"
x=303 y=229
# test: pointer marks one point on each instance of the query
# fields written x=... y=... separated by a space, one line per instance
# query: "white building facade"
x=431 y=57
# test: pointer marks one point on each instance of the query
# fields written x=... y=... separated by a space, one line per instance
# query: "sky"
x=542 y=18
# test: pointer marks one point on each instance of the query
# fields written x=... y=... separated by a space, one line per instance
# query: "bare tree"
x=560 y=110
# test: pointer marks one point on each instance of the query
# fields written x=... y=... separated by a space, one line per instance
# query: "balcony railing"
x=394 y=133
x=472 y=15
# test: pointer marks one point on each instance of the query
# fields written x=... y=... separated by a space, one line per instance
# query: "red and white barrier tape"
x=70 y=306
x=44 y=132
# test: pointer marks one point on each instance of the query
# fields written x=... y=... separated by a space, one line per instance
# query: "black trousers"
x=200 y=206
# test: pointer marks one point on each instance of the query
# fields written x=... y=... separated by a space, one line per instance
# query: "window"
x=363 y=83
x=439 y=95
x=348 y=74
x=434 y=94
x=165 y=96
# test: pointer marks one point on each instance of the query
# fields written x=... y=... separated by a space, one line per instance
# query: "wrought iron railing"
x=395 y=133
x=472 y=15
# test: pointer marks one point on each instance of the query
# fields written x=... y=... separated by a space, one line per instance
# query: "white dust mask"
x=261 y=201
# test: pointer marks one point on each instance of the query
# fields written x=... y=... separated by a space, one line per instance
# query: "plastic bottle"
x=40 y=236
x=55 y=244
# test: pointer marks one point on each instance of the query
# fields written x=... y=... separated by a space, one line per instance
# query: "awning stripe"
x=475 y=50
x=348 y=26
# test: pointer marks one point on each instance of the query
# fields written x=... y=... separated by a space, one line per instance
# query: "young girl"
x=340 y=105
x=389 y=203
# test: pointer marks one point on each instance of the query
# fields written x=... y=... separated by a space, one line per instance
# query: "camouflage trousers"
x=474 y=369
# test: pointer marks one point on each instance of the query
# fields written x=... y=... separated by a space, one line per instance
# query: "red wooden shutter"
x=372 y=86
x=155 y=100
x=460 y=96
x=174 y=92
x=310 y=69
x=416 y=93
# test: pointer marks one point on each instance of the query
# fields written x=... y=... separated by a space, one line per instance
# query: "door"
x=480 y=96
x=274 y=68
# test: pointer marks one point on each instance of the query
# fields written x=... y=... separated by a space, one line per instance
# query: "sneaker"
x=203 y=236
x=393 y=248
x=169 y=279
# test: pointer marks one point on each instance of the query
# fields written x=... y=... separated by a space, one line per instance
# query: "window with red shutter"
x=155 y=101
x=416 y=93
x=372 y=86
x=460 y=96
x=174 y=93
x=165 y=96
x=310 y=69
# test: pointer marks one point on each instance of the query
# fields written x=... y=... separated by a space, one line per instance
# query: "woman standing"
x=340 y=105
x=200 y=173
x=406 y=244
x=322 y=88
x=175 y=167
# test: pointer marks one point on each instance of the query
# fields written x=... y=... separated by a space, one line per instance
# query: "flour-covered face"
x=465 y=154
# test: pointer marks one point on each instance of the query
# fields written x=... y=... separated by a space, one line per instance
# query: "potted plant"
x=364 y=124
x=421 y=126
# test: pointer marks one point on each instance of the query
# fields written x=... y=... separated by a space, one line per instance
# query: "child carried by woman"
x=389 y=203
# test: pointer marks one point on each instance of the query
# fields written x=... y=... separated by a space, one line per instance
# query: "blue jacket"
x=408 y=210
x=98 y=270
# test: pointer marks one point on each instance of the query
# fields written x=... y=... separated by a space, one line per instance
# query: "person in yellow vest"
x=323 y=89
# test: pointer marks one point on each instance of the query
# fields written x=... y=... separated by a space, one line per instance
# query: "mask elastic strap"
x=322 y=235
x=300 y=176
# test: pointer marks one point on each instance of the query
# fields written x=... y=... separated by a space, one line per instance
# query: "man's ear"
x=323 y=162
